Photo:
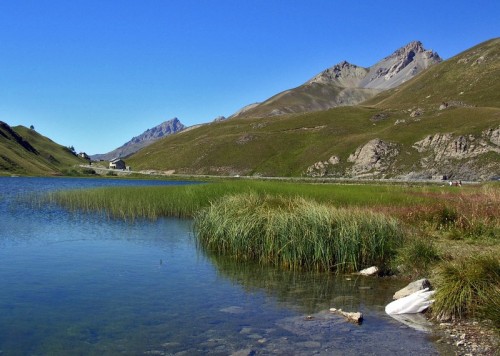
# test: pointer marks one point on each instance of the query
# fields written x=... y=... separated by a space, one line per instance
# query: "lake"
x=82 y=284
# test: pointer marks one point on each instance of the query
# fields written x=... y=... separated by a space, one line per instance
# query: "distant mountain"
x=146 y=138
x=25 y=151
x=390 y=72
x=347 y=84
x=444 y=121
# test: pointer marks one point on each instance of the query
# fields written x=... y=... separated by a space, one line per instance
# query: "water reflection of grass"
x=307 y=291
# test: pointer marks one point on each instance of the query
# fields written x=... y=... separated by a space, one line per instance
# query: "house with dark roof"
x=117 y=163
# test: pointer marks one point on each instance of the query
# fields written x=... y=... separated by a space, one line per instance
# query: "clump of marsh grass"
x=417 y=257
x=297 y=233
x=468 y=288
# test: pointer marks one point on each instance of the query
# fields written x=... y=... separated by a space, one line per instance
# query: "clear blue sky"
x=95 y=73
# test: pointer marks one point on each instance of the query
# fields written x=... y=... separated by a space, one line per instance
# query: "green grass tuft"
x=469 y=288
x=297 y=233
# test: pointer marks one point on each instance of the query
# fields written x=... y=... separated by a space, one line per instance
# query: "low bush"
x=88 y=171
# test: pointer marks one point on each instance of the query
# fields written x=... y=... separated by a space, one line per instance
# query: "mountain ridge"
x=346 y=84
x=149 y=136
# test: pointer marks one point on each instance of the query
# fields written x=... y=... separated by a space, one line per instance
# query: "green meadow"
x=410 y=230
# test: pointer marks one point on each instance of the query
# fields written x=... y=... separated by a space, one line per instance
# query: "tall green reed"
x=297 y=233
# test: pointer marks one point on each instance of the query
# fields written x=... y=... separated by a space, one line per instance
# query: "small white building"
x=117 y=163
x=84 y=155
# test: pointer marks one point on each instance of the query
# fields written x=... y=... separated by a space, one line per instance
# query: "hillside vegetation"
x=445 y=121
x=25 y=151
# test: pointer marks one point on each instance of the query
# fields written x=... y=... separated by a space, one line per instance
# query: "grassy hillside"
x=25 y=151
x=281 y=145
x=467 y=87
x=287 y=145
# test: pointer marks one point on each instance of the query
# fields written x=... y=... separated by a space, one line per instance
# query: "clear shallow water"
x=83 y=284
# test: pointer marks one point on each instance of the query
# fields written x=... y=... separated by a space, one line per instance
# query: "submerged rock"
x=353 y=317
x=233 y=310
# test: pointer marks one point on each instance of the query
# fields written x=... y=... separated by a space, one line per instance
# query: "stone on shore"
x=412 y=288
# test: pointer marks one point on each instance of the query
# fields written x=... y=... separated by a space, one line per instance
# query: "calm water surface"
x=82 y=284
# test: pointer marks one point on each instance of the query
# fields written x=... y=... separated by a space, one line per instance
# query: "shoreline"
x=470 y=337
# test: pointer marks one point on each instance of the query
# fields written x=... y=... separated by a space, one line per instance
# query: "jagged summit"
x=146 y=138
x=390 y=72
x=157 y=132
x=346 y=84
x=414 y=46
x=400 y=66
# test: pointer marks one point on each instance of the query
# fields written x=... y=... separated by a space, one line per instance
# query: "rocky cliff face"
x=444 y=152
x=446 y=146
x=374 y=157
x=146 y=138
x=441 y=154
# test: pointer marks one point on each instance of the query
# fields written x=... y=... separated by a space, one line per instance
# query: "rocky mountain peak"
x=346 y=83
x=400 y=66
x=344 y=74
x=414 y=46
x=164 y=129
x=407 y=53
x=146 y=138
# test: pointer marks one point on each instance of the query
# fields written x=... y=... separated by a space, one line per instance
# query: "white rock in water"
x=414 y=303
x=370 y=271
